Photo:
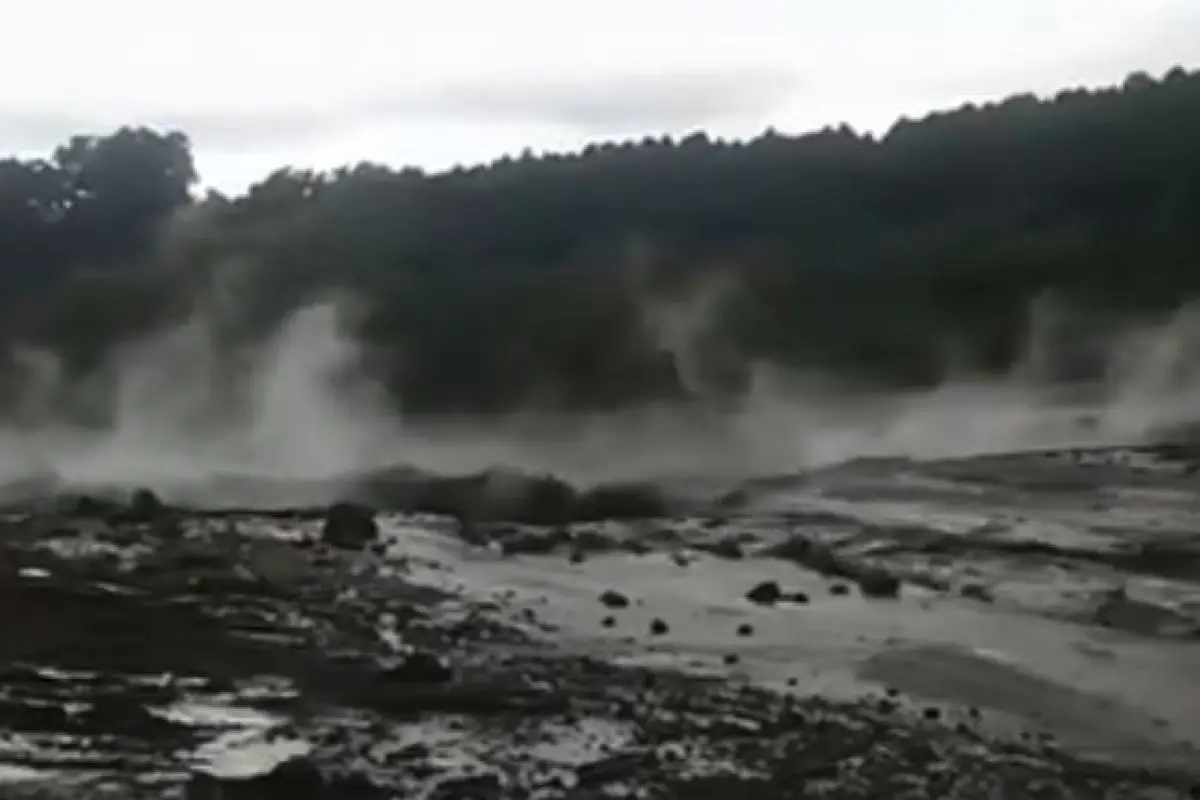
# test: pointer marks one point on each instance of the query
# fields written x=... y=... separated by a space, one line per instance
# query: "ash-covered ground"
x=1022 y=626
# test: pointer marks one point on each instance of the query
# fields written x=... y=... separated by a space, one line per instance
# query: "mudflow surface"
x=1023 y=626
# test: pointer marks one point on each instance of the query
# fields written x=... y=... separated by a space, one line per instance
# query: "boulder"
x=765 y=594
x=349 y=526
x=295 y=779
x=622 y=501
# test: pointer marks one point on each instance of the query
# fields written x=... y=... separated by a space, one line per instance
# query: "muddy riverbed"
x=1021 y=626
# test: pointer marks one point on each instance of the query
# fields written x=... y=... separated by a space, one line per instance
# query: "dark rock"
x=636 y=547
x=592 y=541
x=295 y=779
x=796 y=597
x=419 y=666
x=492 y=496
x=730 y=659
x=839 y=589
x=745 y=629
x=145 y=506
x=614 y=599
x=765 y=594
x=877 y=583
x=349 y=526
x=733 y=499
x=931 y=713
x=976 y=591
x=534 y=543
x=547 y=501
x=659 y=628
x=621 y=501
x=84 y=506
x=609 y=622
x=475 y=787
x=726 y=547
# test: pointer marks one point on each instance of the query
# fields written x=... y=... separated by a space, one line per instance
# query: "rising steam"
x=183 y=405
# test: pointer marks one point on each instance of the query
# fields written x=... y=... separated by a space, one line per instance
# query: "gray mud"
x=1023 y=626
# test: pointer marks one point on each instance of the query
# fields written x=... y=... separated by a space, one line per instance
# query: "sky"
x=260 y=84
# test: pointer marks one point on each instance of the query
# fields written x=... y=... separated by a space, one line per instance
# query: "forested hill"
x=533 y=277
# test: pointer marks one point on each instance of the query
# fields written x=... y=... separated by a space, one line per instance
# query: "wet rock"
x=85 y=506
x=733 y=500
x=659 y=628
x=1119 y=611
x=593 y=541
x=489 y=496
x=745 y=629
x=726 y=547
x=636 y=547
x=530 y=542
x=294 y=779
x=976 y=591
x=145 y=506
x=418 y=666
x=621 y=501
x=545 y=501
x=800 y=598
x=475 y=787
x=765 y=594
x=879 y=584
x=349 y=526
x=613 y=599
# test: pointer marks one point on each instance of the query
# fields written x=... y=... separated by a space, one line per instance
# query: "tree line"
x=538 y=279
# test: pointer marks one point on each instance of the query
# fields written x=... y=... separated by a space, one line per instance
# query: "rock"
x=659 y=628
x=613 y=599
x=349 y=526
x=765 y=594
x=593 y=541
x=608 y=622
x=745 y=629
x=726 y=547
x=799 y=598
x=976 y=591
x=294 y=779
x=877 y=583
x=547 y=501
x=839 y=589
x=419 y=666
x=636 y=547
x=85 y=506
x=621 y=501
x=145 y=506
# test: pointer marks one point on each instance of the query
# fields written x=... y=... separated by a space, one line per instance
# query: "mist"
x=186 y=409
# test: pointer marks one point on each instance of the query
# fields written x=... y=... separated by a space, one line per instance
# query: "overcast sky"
x=262 y=83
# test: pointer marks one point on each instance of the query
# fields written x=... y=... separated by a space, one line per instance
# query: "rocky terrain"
x=1018 y=626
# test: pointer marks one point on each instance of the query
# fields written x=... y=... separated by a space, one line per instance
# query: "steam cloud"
x=186 y=409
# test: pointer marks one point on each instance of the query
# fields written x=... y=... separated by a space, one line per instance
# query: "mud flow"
x=1022 y=626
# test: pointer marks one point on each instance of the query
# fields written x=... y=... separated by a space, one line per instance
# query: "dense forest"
x=541 y=280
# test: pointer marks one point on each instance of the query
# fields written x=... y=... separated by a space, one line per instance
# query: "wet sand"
x=1044 y=641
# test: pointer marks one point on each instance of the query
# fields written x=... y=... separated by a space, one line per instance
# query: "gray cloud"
x=653 y=101
x=596 y=106
x=35 y=129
